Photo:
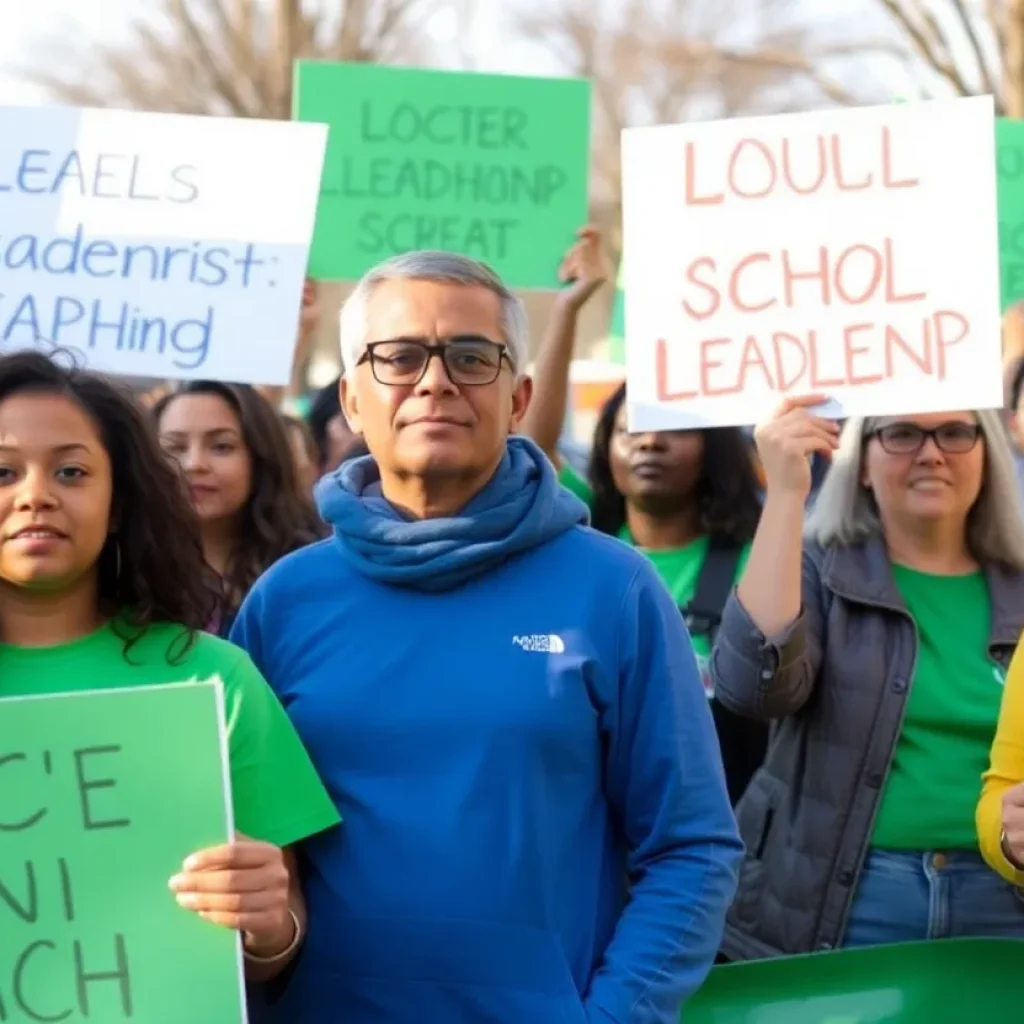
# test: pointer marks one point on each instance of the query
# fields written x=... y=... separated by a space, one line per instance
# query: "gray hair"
x=844 y=512
x=431 y=265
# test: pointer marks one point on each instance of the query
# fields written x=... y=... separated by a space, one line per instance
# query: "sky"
x=23 y=23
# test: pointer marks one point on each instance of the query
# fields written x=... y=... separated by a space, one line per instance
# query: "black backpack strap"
x=704 y=613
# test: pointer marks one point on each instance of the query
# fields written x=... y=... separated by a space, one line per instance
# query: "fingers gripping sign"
x=1013 y=825
x=787 y=441
x=244 y=885
x=584 y=269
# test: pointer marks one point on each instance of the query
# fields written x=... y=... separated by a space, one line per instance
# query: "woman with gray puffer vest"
x=876 y=640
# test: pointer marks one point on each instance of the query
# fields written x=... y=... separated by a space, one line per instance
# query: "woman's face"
x=925 y=469
x=654 y=468
x=203 y=433
x=56 y=492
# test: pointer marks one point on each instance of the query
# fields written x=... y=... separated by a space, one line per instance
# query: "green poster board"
x=102 y=796
x=952 y=981
x=1010 y=192
x=492 y=166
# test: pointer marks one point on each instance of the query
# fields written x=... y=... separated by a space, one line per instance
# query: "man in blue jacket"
x=504 y=704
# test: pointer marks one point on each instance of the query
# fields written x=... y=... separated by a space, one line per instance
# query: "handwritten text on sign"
x=852 y=253
x=492 y=166
x=156 y=245
x=102 y=795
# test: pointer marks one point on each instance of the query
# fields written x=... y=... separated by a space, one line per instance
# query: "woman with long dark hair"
x=694 y=483
x=242 y=479
x=103 y=586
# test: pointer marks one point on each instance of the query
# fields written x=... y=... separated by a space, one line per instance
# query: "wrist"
x=270 y=948
x=784 y=502
x=568 y=305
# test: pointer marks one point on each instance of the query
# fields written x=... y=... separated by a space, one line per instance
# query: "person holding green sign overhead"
x=103 y=585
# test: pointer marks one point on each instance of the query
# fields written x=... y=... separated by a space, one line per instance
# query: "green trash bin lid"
x=942 y=982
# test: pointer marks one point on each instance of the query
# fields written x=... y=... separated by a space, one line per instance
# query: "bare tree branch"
x=676 y=60
x=221 y=83
x=995 y=15
x=794 y=63
x=974 y=46
x=967 y=24
x=224 y=56
x=941 y=43
x=927 y=47
x=1013 y=64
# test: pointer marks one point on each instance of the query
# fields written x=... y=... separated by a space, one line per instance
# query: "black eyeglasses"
x=953 y=438
x=469 y=361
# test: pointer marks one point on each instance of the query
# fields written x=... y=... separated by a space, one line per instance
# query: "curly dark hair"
x=152 y=568
x=279 y=517
x=728 y=490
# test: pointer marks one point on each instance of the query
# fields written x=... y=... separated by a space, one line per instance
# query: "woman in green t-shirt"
x=103 y=585
x=876 y=637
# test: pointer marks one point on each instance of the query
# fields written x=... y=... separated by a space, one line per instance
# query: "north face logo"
x=548 y=643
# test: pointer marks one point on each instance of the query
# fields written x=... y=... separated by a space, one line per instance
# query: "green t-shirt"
x=679 y=568
x=277 y=795
x=934 y=782
x=572 y=481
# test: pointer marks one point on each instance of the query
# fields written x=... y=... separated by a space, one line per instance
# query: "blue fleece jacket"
x=506 y=707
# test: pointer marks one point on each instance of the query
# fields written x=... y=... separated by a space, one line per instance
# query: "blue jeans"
x=907 y=896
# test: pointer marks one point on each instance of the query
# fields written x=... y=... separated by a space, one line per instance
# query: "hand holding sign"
x=1013 y=824
x=584 y=269
x=242 y=885
x=788 y=439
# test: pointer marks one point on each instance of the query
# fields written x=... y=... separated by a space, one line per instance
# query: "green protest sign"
x=492 y=166
x=102 y=796
x=1010 y=193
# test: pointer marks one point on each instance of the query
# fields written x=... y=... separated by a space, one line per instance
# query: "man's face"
x=435 y=428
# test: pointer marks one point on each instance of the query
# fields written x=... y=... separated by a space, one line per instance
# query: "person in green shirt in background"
x=103 y=585
x=688 y=499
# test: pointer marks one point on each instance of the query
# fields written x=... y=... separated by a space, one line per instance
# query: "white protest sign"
x=852 y=253
x=156 y=245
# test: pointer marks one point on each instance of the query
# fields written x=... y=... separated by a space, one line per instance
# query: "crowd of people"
x=509 y=742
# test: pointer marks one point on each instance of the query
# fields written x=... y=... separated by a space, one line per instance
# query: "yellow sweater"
x=1006 y=770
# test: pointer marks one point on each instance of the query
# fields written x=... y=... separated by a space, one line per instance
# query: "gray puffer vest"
x=836 y=685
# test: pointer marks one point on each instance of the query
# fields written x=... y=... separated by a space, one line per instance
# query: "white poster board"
x=852 y=253
x=156 y=245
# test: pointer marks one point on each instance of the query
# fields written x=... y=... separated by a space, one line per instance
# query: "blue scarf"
x=522 y=507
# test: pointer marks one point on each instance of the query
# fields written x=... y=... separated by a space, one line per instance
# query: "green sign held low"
x=102 y=796
x=908 y=983
x=491 y=166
